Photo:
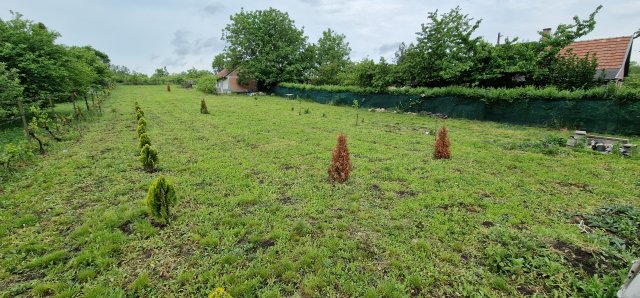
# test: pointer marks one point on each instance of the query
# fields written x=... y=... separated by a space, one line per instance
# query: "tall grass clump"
x=441 y=148
x=340 y=167
x=160 y=198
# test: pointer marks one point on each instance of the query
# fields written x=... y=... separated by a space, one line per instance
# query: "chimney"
x=546 y=31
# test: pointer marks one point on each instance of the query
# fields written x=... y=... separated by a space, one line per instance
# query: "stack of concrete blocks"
x=602 y=144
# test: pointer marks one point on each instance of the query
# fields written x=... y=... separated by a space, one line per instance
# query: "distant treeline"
x=122 y=75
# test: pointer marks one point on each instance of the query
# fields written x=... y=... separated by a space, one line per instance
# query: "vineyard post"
x=51 y=104
x=24 y=120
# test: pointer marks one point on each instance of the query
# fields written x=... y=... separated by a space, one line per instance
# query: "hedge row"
x=610 y=92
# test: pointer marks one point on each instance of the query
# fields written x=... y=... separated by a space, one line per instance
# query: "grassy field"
x=257 y=216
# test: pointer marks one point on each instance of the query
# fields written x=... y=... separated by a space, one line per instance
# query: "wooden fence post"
x=86 y=102
x=51 y=104
x=75 y=110
x=24 y=120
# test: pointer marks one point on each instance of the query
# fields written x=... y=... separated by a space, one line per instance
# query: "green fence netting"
x=604 y=116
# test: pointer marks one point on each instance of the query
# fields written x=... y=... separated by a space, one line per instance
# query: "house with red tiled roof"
x=228 y=83
x=612 y=54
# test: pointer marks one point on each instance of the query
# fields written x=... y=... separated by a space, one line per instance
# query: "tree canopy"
x=266 y=46
x=331 y=56
x=30 y=56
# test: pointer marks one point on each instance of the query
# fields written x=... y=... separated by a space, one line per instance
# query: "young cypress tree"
x=144 y=139
x=149 y=158
x=168 y=87
x=203 y=107
x=160 y=198
x=142 y=126
x=441 y=149
x=340 y=167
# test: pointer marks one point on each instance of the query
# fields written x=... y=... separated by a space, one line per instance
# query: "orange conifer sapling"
x=441 y=149
x=203 y=107
x=340 y=164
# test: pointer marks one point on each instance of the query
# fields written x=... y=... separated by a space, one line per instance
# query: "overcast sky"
x=146 y=34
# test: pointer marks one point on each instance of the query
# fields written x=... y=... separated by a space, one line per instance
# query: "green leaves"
x=266 y=46
x=43 y=68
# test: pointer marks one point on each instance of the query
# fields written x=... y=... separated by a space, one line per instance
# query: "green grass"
x=256 y=215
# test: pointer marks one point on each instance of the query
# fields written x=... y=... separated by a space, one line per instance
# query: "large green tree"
x=331 y=57
x=45 y=68
x=30 y=49
x=265 y=45
x=219 y=62
x=445 y=50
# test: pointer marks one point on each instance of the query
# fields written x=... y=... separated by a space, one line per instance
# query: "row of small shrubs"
x=148 y=155
x=340 y=167
x=609 y=92
x=161 y=195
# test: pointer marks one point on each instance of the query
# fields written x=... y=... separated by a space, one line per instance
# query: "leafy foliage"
x=160 y=198
x=207 y=84
x=340 y=167
x=445 y=50
x=14 y=153
x=10 y=90
x=622 y=94
x=331 y=57
x=44 y=68
x=267 y=47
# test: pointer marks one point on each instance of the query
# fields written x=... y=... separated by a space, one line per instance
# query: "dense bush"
x=207 y=85
x=609 y=92
x=14 y=153
x=160 y=198
x=340 y=167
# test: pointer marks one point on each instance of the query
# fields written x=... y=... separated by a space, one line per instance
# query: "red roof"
x=223 y=73
x=610 y=52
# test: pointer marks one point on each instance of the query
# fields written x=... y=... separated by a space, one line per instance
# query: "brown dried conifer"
x=441 y=149
x=340 y=164
x=203 y=107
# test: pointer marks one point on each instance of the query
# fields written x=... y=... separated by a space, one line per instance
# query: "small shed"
x=613 y=55
x=228 y=83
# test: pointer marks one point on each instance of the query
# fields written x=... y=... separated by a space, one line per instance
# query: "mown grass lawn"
x=257 y=216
